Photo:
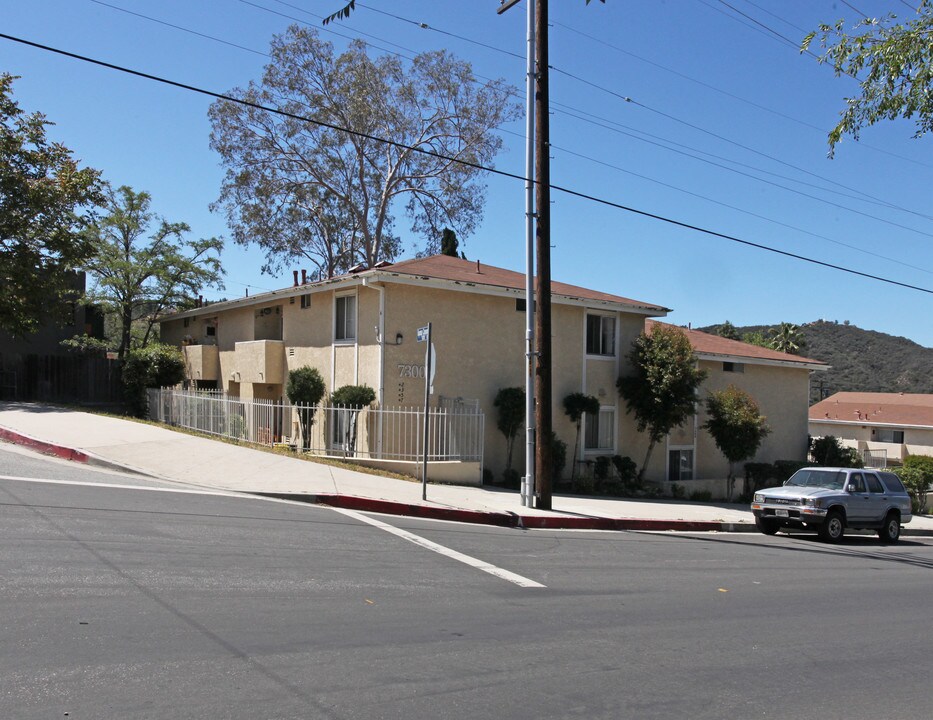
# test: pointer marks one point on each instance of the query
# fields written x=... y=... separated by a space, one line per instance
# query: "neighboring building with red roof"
x=360 y=328
x=886 y=426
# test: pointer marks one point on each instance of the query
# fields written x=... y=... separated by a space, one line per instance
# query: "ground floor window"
x=600 y=430
x=890 y=435
x=680 y=464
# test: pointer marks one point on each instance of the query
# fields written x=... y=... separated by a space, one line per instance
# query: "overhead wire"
x=571 y=113
x=477 y=166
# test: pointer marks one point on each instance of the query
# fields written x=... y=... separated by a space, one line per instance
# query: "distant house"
x=361 y=328
x=888 y=426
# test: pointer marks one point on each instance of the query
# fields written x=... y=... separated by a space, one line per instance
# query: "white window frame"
x=693 y=463
x=613 y=351
x=604 y=410
x=351 y=339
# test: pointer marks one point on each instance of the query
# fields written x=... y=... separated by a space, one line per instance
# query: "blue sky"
x=727 y=131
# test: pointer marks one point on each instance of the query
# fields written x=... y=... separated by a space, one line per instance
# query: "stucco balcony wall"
x=202 y=362
x=261 y=361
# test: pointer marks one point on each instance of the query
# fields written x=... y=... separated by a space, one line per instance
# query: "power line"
x=863 y=197
x=476 y=166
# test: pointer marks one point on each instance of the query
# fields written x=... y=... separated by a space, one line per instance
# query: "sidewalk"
x=202 y=462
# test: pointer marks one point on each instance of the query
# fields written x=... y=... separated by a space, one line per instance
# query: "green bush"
x=783 y=469
x=701 y=496
x=305 y=386
x=829 y=452
x=917 y=476
x=601 y=467
x=511 y=478
x=677 y=491
x=488 y=477
x=154 y=366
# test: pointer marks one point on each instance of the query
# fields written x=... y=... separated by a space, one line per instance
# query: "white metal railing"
x=390 y=433
x=877 y=458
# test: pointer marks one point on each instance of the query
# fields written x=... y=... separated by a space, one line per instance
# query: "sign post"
x=424 y=335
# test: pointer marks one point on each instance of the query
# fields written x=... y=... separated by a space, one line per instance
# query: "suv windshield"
x=831 y=479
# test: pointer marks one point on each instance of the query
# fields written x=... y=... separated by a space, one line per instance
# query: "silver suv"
x=833 y=499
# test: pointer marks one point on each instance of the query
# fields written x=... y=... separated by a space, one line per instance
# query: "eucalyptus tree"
x=355 y=138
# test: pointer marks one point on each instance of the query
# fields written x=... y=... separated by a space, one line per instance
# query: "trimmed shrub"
x=154 y=366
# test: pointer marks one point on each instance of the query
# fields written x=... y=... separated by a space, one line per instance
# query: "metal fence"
x=455 y=432
x=875 y=458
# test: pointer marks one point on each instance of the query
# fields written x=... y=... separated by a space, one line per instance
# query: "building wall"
x=917 y=441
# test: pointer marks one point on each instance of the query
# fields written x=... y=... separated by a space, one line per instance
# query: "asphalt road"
x=137 y=602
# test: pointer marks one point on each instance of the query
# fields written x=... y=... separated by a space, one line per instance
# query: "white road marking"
x=445 y=551
x=404 y=534
x=119 y=486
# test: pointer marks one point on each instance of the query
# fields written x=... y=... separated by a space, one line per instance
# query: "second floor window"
x=600 y=335
x=345 y=317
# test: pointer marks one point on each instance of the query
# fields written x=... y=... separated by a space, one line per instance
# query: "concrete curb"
x=508 y=519
x=431 y=512
x=63 y=452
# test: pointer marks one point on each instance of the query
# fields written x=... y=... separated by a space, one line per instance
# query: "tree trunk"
x=641 y=473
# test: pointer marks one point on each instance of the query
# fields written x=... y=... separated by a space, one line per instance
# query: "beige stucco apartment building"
x=361 y=329
x=889 y=426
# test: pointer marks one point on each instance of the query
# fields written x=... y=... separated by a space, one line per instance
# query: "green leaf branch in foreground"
x=45 y=201
x=893 y=63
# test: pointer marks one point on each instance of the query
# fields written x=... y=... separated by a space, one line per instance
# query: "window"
x=345 y=317
x=600 y=335
x=733 y=367
x=890 y=435
x=305 y=301
x=856 y=483
x=600 y=430
x=210 y=331
x=874 y=484
x=680 y=464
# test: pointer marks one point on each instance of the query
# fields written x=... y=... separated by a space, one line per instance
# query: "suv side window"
x=893 y=482
x=874 y=484
x=856 y=483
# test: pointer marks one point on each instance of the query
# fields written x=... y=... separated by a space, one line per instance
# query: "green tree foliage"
x=450 y=244
x=662 y=390
x=728 y=331
x=893 y=63
x=153 y=366
x=283 y=172
x=510 y=407
x=736 y=425
x=136 y=276
x=756 y=337
x=576 y=405
x=305 y=386
x=829 y=452
x=350 y=399
x=917 y=476
x=787 y=338
x=45 y=201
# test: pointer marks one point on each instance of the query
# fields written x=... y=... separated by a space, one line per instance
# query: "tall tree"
x=45 y=201
x=736 y=425
x=661 y=391
x=136 y=276
x=449 y=243
x=576 y=405
x=787 y=338
x=363 y=133
x=510 y=416
x=893 y=63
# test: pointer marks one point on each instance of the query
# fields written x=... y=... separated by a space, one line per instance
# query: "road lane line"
x=442 y=550
x=118 y=486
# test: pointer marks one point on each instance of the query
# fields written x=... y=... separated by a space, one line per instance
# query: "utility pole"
x=539 y=434
x=543 y=464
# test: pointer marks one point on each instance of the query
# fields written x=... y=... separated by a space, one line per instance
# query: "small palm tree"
x=787 y=338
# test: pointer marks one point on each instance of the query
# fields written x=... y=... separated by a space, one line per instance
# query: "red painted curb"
x=65 y=453
x=511 y=520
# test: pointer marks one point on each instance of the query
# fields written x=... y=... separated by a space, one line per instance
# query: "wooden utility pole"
x=543 y=463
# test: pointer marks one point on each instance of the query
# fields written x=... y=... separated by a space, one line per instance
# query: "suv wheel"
x=768 y=527
x=891 y=530
x=833 y=527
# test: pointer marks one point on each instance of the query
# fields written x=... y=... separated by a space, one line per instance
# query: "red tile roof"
x=707 y=344
x=876 y=408
x=474 y=272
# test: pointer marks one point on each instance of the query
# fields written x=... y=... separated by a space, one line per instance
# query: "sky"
x=725 y=129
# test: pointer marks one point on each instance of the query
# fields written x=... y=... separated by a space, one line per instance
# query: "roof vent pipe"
x=295 y=274
x=304 y=276
x=478 y=271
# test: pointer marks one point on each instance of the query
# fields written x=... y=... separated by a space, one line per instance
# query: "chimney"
x=304 y=276
x=478 y=271
x=295 y=273
x=200 y=301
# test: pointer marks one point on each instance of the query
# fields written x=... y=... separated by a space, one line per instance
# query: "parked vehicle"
x=829 y=500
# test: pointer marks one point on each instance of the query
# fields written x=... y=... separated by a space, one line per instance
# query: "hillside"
x=862 y=360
